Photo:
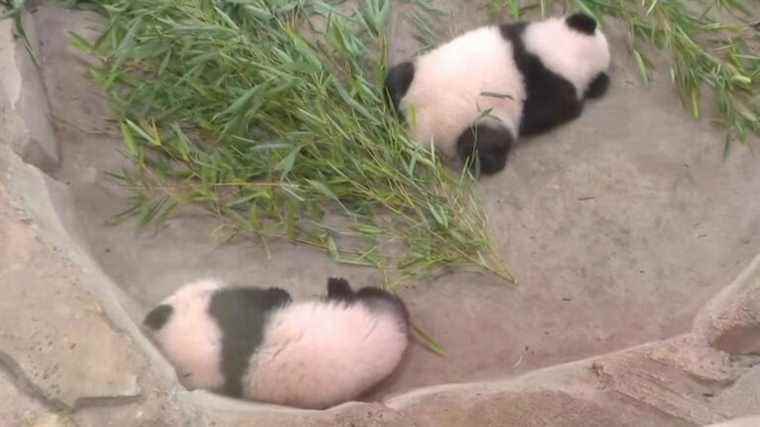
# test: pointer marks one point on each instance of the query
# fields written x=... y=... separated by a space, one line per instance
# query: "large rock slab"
x=25 y=117
x=731 y=320
x=16 y=406
x=54 y=333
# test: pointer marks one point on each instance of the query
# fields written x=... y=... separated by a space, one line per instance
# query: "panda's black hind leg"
x=381 y=300
x=277 y=296
x=598 y=86
x=491 y=142
x=397 y=82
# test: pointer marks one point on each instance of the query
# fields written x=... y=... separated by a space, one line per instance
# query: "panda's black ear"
x=339 y=289
x=582 y=23
x=397 y=82
x=490 y=142
x=158 y=317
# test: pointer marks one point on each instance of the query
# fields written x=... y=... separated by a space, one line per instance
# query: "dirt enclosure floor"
x=620 y=226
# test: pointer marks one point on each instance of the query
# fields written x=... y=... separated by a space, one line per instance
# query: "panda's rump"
x=316 y=354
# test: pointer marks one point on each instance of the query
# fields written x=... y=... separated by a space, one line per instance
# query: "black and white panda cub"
x=257 y=344
x=495 y=83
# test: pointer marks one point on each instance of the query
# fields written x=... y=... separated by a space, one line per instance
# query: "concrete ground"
x=626 y=229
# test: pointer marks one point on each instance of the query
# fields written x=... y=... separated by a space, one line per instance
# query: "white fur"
x=317 y=354
x=191 y=339
x=567 y=52
x=445 y=96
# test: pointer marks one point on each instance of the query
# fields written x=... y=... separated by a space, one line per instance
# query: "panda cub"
x=257 y=344
x=483 y=89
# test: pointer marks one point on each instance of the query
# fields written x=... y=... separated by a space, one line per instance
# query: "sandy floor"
x=619 y=226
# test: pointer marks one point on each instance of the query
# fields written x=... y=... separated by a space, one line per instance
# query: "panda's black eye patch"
x=582 y=23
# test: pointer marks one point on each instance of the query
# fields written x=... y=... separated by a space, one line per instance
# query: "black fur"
x=397 y=82
x=491 y=143
x=158 y=317
x=241 y=314
x=598 y=86
x=582 y=23
x=338 y=289
x=550 y=99
x=380 y=300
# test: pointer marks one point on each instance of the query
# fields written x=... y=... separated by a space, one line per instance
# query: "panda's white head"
x=574 y=48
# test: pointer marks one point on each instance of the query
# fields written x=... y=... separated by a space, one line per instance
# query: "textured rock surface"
x=731 y=321
x=740 y=422
x=54 y=333
x=30 y=133
x=16 y=406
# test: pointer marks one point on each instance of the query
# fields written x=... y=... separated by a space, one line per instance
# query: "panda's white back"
x=446 y=95
x=191 y=339
x=317 y=354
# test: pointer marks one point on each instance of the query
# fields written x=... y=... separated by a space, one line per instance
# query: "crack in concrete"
x=105 y=401
x=23 y=383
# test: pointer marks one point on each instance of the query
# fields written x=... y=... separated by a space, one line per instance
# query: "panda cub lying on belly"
x=257 y=344
x=483 y=89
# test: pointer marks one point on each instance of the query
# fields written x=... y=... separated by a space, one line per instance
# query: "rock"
x=25 y=117
x=53 y=420
x=731 y=320
x=16 y=407
x=55 y=334
x=739 y=422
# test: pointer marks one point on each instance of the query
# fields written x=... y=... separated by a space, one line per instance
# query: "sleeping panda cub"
x=257 y=344
x=483 y=89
